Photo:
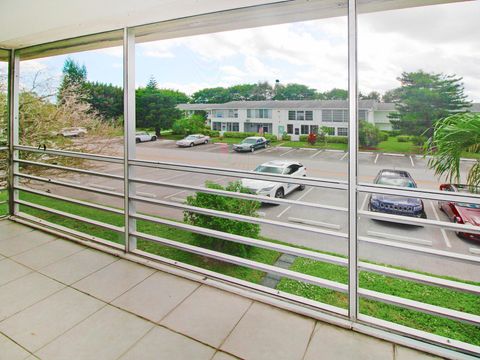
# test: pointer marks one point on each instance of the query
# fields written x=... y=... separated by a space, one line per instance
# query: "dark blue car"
x=392 y=204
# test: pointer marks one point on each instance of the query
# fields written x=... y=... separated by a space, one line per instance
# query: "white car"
x=192 y=140
x=276 y=189
x=143 y=136
x=73 y=132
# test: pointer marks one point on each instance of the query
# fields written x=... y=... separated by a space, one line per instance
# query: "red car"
x=460 y=212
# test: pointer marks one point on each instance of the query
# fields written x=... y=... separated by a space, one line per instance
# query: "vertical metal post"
x=13 y=118
x=352 y=164
x=129 y=133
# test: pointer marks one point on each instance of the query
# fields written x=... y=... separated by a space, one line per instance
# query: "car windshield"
x=191 y=137
x=468 y=205
x=249 y=141
x=391 y=181
x=269 y=169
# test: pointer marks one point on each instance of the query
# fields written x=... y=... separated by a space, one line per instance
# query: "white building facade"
x=294 y=118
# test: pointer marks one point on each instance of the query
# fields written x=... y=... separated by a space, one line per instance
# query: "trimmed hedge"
x=243 y=135
x=383 y=136
x=403 y=138
x=329 y=139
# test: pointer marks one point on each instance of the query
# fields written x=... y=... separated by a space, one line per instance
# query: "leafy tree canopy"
x=424 y=98
x=74 y=75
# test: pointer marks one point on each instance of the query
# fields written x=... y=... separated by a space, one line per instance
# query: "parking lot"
x=323 y=164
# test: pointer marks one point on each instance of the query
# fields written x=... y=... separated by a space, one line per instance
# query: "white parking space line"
x=411 y=160
x=300 y=198
x=308 y=149
x=175 y=194
x=173 y=177
x=344 y=156
x=289 y=151
x=444 y=233
x=318 y=152
x=393 y=154
x=333 y=150
x=261 y=214
x=475 y=251
x=177 y=199
x=400 y=238
x=364 y=202
x=376 y=158
x=284 y=211
x=314 y=223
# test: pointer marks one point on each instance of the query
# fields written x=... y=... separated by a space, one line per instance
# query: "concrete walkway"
x=62 y=300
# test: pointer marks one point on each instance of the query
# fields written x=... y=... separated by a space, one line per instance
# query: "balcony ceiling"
x=25 y=23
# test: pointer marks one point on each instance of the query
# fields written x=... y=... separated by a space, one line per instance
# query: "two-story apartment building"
x=293 y=117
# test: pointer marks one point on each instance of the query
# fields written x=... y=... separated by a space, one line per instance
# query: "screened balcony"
x=118 y=242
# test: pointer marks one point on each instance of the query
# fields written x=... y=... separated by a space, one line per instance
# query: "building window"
x=259 y=113
x=327 y=115
x=330 y=130
x=216 y=125
x=233 y=113
x=304 y=129
x=300 y=115
x=342 y=131
x=340 y=115
x=232 y=126
x=362 y=115
x=218 y=113
x=314 y=129
x=289 y=129
x=296 y=131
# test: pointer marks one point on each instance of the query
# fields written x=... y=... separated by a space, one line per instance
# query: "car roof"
x=196 y=135
x=254 y=137
x=394 y=173
x=466 y=188
x=280 y=163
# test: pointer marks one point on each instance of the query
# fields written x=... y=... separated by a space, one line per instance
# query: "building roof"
x=280 y=104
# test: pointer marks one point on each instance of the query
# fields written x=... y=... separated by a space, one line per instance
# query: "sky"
x=439 y=38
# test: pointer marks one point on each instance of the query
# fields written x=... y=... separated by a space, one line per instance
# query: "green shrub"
x=384 y=136
x=303 y=138
x=337 y=139
x=225 y=204
x=368 y=134
x=418 y=140
x=211 y=133
x=191 y=125
x=403 y=138
x=270 y=137
x=286 y=137
x=238 y=135
x=395 y=132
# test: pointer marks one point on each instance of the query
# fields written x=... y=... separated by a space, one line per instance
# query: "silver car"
x=192 y=140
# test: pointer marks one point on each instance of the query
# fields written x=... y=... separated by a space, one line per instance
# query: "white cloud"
x=116 y=51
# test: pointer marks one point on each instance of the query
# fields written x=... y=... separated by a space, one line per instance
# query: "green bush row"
x=417 y=140
x=243 y=135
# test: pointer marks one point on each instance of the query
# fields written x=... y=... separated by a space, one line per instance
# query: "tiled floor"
x=61 y=300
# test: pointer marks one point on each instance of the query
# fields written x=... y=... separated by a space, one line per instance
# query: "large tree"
x=334 y=94
x=294 y=92
x=425 y=98
x=106 y=99
x=155 y=109
x=74 y=76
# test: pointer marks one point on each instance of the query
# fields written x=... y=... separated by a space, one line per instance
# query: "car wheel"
x=252 y=149
x=424 y=215
x=301 y=188
x=154 y=138
x=191 y=144
x=137 y=140
x=279 y=193
x=206 y=142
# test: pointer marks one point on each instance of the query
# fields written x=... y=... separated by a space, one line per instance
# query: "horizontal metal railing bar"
x=378 y=269
x=237 y=194
x=71 y=216
x=244 y=262
x=70 y=185
x=310 y=181
x=245 y=240
x=3 y=202
x=419 y=278
x=232 y=216
x=70 y=200
x=67 y=168
x=62 y=231
x=75 y=154
x=421 y=193
x=420 y=335
x=420 y=306
x=418 y=249
x=3 y=148
x=421 y=222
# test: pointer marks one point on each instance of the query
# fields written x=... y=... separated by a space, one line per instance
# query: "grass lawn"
x=429 y=294
x=394 y=146
x=407 y=289
x=226 y=140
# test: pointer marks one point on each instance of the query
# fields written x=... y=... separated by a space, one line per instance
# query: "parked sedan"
x=251 y=144
x=73 y=132
x=192 y=140
x=461 y=212
x=393 y=204
x=272 y=188
x=143 y=136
